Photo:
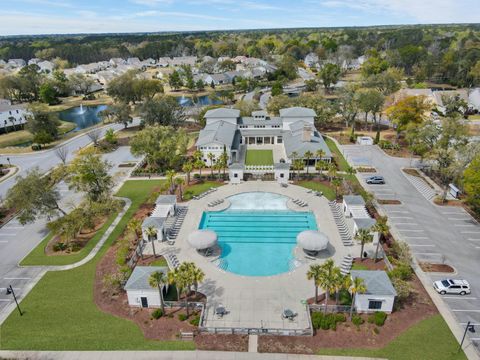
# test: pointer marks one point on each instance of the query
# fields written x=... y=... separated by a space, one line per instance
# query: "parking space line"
x=400 y=217
x=5 y=300
x=13 y=227
x=453 y=212
x=421 y=245
x=17 y=278
x=459 y=297
x=8 y=234
x=464 y=323
x=464 y=218
x=471 y=239
x=407 y=224
x=469 y=232
x=475 y=339
x=417 y=237
x=3 y=241
x=13 y=288
x=464 y=225
x=426 y=253
x=463 y=310
x=411 y=230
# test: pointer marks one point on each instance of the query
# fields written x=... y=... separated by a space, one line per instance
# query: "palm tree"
x=197 y=155
x=179 y=183
x=315 y=273
x=199 y=164
x=319 y=154
x=364 y=236
x=158 y=279
x=151 y=233
x=330 y=274
x=320 y=166
x=336 y=184
x=308 y=155
x=174 y=277
x=187 y=168
x=332 y=171
x=211 y=157
x=357 y=286
x=196 y=275
x=298 y=165
x=170 y=176
x=382 y=228
x=135 y=227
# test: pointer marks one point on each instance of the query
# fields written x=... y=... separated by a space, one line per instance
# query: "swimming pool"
x=257 y=241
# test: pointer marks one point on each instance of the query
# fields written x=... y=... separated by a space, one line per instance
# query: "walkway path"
x=170 y=355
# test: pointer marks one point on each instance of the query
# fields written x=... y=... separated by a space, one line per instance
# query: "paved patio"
x=257 y=302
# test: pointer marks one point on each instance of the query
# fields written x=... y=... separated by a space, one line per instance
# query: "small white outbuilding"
x=139 y=291
x=380 y=294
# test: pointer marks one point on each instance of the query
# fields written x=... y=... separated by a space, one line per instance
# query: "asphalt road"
x=435 y=233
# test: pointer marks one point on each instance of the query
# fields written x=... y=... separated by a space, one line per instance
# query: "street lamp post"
x=10 y=291
x=9 y=163
x=470 y=327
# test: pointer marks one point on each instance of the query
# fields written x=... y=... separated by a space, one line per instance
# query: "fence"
x=259 y=168
x=137 y=253
x=330 y=308
x=255 y=331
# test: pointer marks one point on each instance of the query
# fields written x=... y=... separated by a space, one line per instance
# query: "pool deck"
x=258 y=302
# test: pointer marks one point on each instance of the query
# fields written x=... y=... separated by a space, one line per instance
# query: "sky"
x=22 y=17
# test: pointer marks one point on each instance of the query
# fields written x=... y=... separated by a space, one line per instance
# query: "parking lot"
x=434 y=233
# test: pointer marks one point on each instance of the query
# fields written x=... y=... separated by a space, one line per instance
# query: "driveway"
x=434 y=233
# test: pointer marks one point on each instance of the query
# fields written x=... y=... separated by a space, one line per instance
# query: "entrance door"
x=144 y=301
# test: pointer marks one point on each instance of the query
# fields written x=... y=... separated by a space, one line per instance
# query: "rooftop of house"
x=139 y=280
x=156 y=222
x=297 y=111
x=222 y=113
x=377 y=282
x=166 y=199
x=353 y=200
x=221 y=132
x=364 y=222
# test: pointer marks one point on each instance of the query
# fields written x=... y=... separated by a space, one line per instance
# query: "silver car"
x=461 y=287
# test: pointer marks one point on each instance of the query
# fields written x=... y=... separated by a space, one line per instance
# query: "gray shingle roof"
x=376 y=282
x=140 y=275
x=222 y=113
x=219 y=132
x=293 y=141
x=156 y=222
x=166 y=199
x=364 y=223
x=353 y=200
x=297 y=112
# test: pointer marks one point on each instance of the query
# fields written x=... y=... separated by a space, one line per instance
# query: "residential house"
x=380 y=294
x=46 y=66
x=139 y=291
x=12 y=117
x=117 y=61
x=474 y=99
x=311 y=60
x=183 y=60
x=17 y=63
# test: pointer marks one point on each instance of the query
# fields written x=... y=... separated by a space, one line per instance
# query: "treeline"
x=439 y=53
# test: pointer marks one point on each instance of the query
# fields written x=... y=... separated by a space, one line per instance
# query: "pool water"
x=257 y=242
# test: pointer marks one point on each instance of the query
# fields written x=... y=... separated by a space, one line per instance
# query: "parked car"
x=375 y=180
x=461 y=287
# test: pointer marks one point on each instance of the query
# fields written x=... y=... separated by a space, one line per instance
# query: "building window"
x=251 y=141
x=267 y=140
x=374 y=305
x=282 y=175
x=235 y=175
x=279 y=140
x=259 y=140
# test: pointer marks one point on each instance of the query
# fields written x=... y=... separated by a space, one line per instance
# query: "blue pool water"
x=258 y=242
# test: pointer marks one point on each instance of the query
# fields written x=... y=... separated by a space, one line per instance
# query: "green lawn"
x=19 y=137
x=342 y=163
x=197 y=189
x=60 y=313
x=431 y=339
x=328 y=192
x=359 y=267
x=259 y=157
x=159 y=262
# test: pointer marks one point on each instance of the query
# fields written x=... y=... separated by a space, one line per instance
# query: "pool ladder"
x=222 y=264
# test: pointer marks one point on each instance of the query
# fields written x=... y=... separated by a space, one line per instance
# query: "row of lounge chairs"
x=346 y=265
x=174 y=230
x=340 y=222
x=172 y=260
x=300 y=203
x=316 y=193
x=208 y=192
x=216 y=202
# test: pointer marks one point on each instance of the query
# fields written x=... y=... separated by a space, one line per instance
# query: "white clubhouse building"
x=293 y=132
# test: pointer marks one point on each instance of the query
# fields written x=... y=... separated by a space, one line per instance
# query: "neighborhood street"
x=434 y=233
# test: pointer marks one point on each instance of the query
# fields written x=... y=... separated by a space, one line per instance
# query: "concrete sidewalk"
x=163 y=355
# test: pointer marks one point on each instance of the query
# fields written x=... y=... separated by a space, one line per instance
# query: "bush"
x=60 y=246
x=182 y=317
x=157 y=314
x=376 y=331
x=401 y=271
x=379 y=318
x=357 y=320
x=340 y=317
x=328 y=321
x=195 y=321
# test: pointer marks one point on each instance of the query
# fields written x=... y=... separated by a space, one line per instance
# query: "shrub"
x=182 y=317
x=328 y=321
x=157 y=314
x=357 y=320
x=195 y=321
x=340 y=317
x=60 y=246
x=379 y=318
x=401 y=271
x=376 y=331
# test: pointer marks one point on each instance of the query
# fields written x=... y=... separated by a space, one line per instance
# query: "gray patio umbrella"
x=312 y=240
x=202 y=239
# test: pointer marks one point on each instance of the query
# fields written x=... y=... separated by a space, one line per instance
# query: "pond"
x=82 y=116
x=200 y=100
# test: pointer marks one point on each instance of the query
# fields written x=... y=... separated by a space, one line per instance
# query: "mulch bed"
x=218 y=342
x=389 y=202
x=419 y=307
x=431 y=267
